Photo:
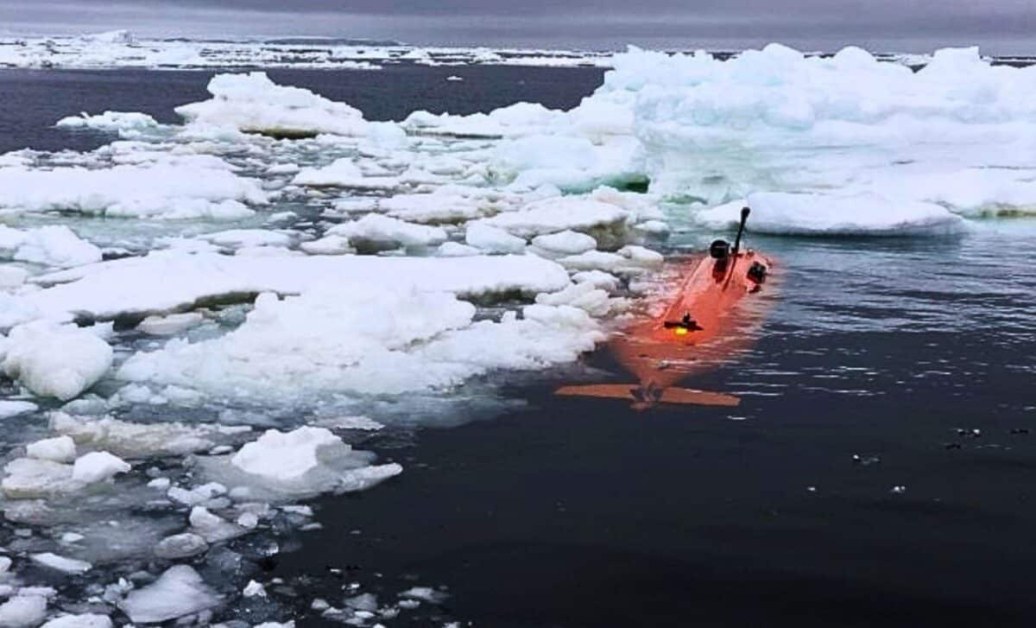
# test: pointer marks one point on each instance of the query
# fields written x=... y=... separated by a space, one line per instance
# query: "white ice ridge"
x=959 y=133
x=128 y=286
x=252 y=103
x=776 y=120
x=832 y=214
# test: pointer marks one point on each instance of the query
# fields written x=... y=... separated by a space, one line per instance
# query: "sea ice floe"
x=240 y=238
x=281 y=455
x=140 y=440
x=23 y=611
x=374 y=232
x=344 y=173
x=180 y=546
x=57 y=449
x=212 y=527
x=192 y=189
x=445 y=204
x=9 y=408
x=55 y=360
x=328 y=245
x=55 y=245
x=563 y=243
x=170 y=324
x=604 y=221
x=456 y=249
x=492 y=239
x=178 y=592
x=252 y=103
x=98 y=466
x=87 y=620
x=61 y=563
x=280 y=467
x=130 y=125
x=374 y=340
x=128 y=286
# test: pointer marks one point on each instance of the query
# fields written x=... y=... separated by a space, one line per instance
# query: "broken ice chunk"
x=98 y=466
x=61 y=563
x=178 y=592
x=181 y=546
x=58 y=449
x=55 y=360
x=23 y=611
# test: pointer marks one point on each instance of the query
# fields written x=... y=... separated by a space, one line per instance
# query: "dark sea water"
x=33 y=100
x=884 y=363
x=881 y=470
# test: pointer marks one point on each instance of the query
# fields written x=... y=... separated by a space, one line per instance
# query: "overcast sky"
x=998 y=26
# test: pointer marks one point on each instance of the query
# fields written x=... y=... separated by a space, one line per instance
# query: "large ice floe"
x=193 y=315
x=254 y=104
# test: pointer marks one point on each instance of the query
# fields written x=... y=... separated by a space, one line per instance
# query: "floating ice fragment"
x=566 y=242
x=424 y=594
x=198 y=495
x=61 y=563
x=178 y=592
x=163 y=190
x=98 y=466
x=169 y=324
x=57 y=449
x=126 y=124
x=54 y=245
x=554 y=215
x=377 y=232
x=88 y=620
x=254 y=589
x=363 y=602
x=10 y=408
x=182 y=545
x=23 y=611
x=493 y=240
x=240 y=238
x=284 y=456
x=254 y=104
x=55 y=360
x=141 y=440
x=127 y=286
x=27 y=478
x=456 y=249
x=328 y=245
x=213 y=528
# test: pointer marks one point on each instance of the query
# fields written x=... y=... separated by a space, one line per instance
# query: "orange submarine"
x=712 y=311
